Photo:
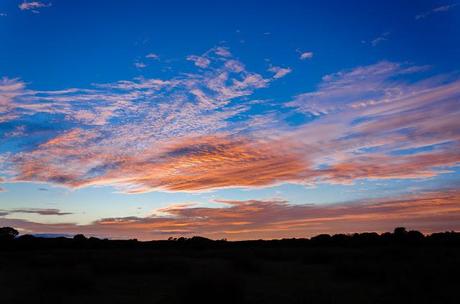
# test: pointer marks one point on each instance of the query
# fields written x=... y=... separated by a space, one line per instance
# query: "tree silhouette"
x=8 y=233
x=79 y=238
x=400 y=231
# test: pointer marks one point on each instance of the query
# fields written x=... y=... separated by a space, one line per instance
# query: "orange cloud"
x=186 y=141
x=196 y=163
x=253 y=219
x=216 y=162
x=211 y=162
x=390 y=167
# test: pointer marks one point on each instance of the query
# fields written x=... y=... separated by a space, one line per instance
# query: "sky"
x=238 y=120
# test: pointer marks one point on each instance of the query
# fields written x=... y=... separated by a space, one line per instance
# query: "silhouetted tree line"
x=9 y=238
x=394 y=267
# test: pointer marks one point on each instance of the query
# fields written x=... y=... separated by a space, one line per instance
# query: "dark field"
x=401 y=267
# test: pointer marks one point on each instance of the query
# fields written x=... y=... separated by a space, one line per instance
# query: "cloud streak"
x=426 y=211
x=33 y=6
x=279 y=71
x=186 y=165
x=376 y=41
x=36 y=211
x=306 y=55
x=439 y=9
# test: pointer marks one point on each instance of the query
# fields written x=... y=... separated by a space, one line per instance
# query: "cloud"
x=234 y=66
x=444 y=8
x=439 y=9
x=366 y=84
x=33 y=6
x=222 y=51
x=197 y=131
x=306 y=55
x=365 y=118
x=199 y=61
x=151 y=56
x=421 y=165
x=376 y=41
x=187 y=165
x=140 y=65
x=38 y=211
x=97 y=105
x=9 y=90
x=253 y=219
x=3 y=14
x=279 y=71
x=150 y=112
x=17 y=132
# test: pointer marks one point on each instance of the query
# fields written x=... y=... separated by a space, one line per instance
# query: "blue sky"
x=138 y=112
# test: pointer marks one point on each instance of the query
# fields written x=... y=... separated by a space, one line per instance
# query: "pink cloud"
x=187 y=165
x=306 y=55
x=364 y=120
x=33 y=5
x=199 y=61
x=279 y=71
x=222 y=51
x=254 y=219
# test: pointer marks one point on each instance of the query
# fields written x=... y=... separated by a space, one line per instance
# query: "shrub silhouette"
x=79 y=238
x=400 y=232
x=8 y=233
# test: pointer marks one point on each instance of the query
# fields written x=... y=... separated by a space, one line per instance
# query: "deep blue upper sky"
x=80 y=42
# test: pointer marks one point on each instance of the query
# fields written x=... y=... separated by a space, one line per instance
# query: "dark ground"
x=401 y=267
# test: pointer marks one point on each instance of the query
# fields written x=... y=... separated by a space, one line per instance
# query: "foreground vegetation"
x=399 y=267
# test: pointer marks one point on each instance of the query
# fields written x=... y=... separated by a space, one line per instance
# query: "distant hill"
x=52 y=235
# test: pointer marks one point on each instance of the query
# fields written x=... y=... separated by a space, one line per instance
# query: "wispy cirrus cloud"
x=151 y=112
x=357 y=86
x=376 y=41
x=36 y=211
x=439 y=9
x=140 y=65
x=378 y=118
x=426 y=211
x=185 y=165
x=222 y=51
x=33 y=6
x=9 y=90
x=193 y=132
x=279 y=71
x=199 y=61
x=306 y=55
x=219 y=84
x=152 y=56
